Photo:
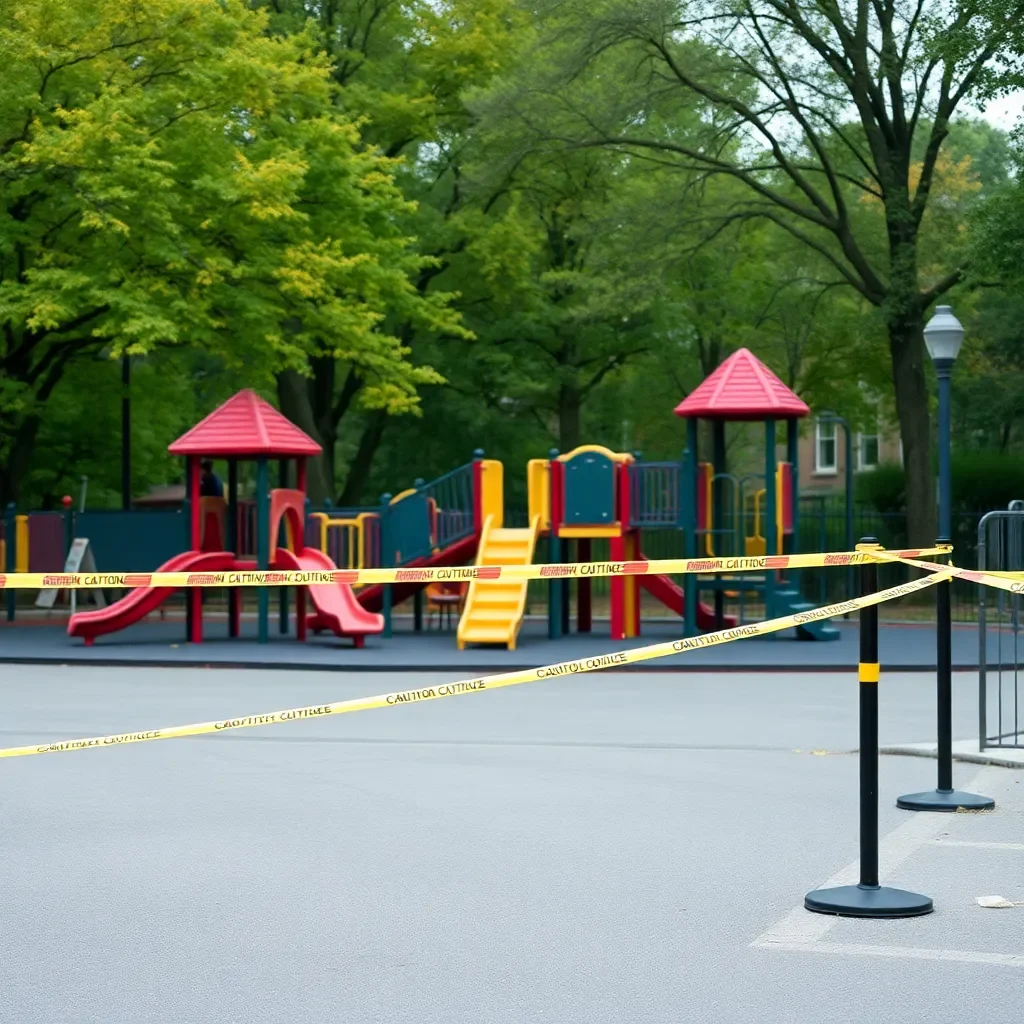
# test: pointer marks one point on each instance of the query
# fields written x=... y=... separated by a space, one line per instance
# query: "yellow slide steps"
x=494 y=608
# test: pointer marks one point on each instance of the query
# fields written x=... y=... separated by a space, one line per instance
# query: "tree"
x=989 y=379
x=401 y=69
x=171 y=175
x=779 y=80
x=565 y=303
x=80 y=433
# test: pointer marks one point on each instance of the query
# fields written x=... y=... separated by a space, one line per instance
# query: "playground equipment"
x=244 y=427
x=431 y=524
x=594 y=494
x=574 y=499
x=578 y=498
x=743 y=389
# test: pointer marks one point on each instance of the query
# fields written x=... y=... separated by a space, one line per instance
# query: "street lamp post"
x=943 y=336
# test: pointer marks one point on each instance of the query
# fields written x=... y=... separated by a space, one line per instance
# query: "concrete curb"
x=963 y=750
x=101 y=661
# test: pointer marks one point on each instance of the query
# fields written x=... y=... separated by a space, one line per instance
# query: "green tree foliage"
x=172 y=174
x=571 y=212
x=777 y=81
x=399 y=70
x=80 y=434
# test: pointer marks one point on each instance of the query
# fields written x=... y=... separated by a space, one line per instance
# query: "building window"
x=825 y=447
x=867 y=451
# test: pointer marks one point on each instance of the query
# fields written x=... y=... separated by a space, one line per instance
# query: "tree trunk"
x=359 y=472
x=19 y=459
x=569 y=404
x=295 y=394
x=906 y=348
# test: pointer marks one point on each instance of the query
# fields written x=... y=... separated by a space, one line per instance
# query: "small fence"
x=412 y=525
x=1000 y=672
x=654 y=494
x=823 y=527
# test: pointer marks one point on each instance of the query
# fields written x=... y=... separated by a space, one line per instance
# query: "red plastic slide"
x=336 y=606
x=459 y=553
x=138 y=603
x=672 y=596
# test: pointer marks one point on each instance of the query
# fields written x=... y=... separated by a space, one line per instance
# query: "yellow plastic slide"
x=494 y=608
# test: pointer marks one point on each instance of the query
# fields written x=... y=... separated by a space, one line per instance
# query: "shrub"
x=982 y=481
x=882 y=489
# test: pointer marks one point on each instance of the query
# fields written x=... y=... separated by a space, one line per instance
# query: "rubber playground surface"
x=904 y=647
x=594 y=849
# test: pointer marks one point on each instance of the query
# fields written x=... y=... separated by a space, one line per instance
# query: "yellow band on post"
x=868 y=672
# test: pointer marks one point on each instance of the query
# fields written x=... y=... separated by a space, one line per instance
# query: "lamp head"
x=943 y=335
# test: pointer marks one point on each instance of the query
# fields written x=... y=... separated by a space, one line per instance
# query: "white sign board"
x=79 y=559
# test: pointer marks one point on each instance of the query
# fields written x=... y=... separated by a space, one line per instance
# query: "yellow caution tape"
x=430 y=574
x=564 y=668
x=1001 y=581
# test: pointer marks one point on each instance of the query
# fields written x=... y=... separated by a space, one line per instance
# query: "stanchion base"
x=868 y=901
x=945 y=800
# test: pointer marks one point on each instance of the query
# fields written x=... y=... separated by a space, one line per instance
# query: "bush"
x=982 y=481
x=882 y=489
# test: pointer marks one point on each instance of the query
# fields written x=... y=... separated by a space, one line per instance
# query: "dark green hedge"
x=982 y=481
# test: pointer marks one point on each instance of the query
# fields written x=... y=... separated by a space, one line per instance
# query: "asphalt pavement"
x=595 y=849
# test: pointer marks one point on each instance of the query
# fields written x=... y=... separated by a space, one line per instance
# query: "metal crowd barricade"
x=1000 y=672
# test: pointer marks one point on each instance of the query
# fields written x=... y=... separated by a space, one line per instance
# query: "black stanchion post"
x=868 y=898
x=944 y=797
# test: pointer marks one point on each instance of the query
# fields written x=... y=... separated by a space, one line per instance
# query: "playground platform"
x=909 y=647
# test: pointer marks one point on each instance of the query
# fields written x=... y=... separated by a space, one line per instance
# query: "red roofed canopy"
x=245 y=426
x=742 y=388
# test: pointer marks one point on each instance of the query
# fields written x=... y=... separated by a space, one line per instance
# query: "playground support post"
x=554 y=556
x=944 y=797
x=688 y=515
x=719 y=486
x=299 y=542
x=793 y=458
x=770 y=517
x=868 y=898
x=263 y=544
x=186 y=511
x=234 y=597
x=554 y=588
x=417 y=598
x=583 y=588
x=387 y=558
x=194 y=618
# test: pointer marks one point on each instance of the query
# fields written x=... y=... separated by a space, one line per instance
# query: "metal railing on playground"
x=429 y=516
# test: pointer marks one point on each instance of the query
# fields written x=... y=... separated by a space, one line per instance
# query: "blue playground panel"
x=589 y=490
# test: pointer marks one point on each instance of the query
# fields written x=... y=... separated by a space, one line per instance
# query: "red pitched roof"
x=742 y=388
x=245 y=426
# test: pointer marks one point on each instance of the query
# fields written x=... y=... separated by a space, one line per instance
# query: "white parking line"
x=963 y=956
x=979 y=845
x=802 y=931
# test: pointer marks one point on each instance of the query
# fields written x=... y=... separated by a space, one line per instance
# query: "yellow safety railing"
x=755 y=543
x=354 y=545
